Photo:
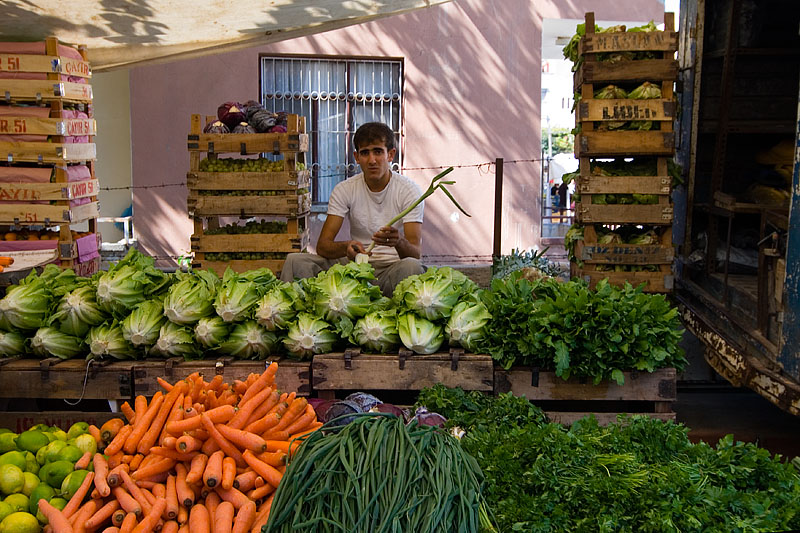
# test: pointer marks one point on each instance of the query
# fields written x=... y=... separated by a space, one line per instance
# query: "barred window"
x=336 y=96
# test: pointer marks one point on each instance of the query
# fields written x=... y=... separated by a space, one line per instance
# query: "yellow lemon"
x=20 y=523
x=12 y=479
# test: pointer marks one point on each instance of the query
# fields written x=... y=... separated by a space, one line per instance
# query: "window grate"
x=336 y=96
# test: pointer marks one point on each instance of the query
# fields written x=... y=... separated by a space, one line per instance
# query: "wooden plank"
x=19 y=421
x=658 y=386
x=280 y=205
x=624 y=214
x=86 y=268
x=292 y=376
x=44 y=63
x=624 y=143
x=43 y=152
x=248 y=143
x=47 y=126
x=248 y=181
x=600 y=110
x=53 y=378
x=45 y=90
x=41 y=213
x=638 y=41
x=624 y=254
x=567 y=418
x=605 y=72
x=624 y=184
x=254 y=242
x=27 y=192
x=654 y=281
x=240 y=265
x=396 y=372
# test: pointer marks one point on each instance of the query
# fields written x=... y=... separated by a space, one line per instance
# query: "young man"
x=368 y=201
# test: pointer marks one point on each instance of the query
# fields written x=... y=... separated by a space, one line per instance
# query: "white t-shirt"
x=369 y=211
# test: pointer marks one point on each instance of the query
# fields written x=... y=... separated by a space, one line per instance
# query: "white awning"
x=120 y=33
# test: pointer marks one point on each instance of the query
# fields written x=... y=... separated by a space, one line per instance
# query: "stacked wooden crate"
x=619 y=262
x=47 y=174
x=283 y=196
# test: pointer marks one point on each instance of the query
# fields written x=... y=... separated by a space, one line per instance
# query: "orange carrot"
x=188 y=443
x=196 y=468
x=136 y=461
x=101 y=515
x=268 y=472
x=275 y=434
x=262 y=410
x=80 y=517
x=212 y=501
x=171 y=498
x=114 y=460
x=228 y=472
x=263 y=381
x=170 y=526
x=139 y=407
x=263 y=515
x=129 y=523
x=94 y=431
x=183 y=515
x=128 y=411
x=154 y=469
x=199 y=520
x=100 y=474
x=55 y=518
x=110 y=429
x=245 y=481
x=143 y=423
x=246 y=409
x=126 y=501
x=185 y=494
x=245 y=518
x=83 y=462
x=111 y=529
x=236 y=497
x=154 y=431
x=242 y=439
x=223 y=518
x=172 y=454
x=136 y=491
x=80 y=494
x=277 y=446
x=225 y=445
x=303 y=421
x=215 y=384
x=239 y=386
x=169 y=441
x=261 y=492
x=148 y=523
x=166 y=385
x=176 y=414
x=218 y=415
x=212 y=475
x=119 y=440
x=275 y=459
x=118 y=516
x=113 y=477
x=263 y=424
x=295 y=410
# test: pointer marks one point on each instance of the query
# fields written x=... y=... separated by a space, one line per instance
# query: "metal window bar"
x=335 y=96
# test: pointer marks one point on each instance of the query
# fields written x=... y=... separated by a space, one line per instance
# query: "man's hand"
x=387 y=236
x=354 y=248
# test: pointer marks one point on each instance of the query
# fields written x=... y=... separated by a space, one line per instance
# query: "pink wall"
x=472 y=94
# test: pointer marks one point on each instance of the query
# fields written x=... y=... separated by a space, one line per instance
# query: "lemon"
x=69 y=453
x=72 y=483
x=12 y=479
x=18 y=501
x=14 y=458
x=32 y=440
x=86 y=443
x=20 y=523
x=59 y=434
x=31 y=482
x=77 y=429
x=8 y=442
x=5 y=430
x=54 y=473
x=5 y=510
x=50 y=452
x=42 y=491
x=31 y=465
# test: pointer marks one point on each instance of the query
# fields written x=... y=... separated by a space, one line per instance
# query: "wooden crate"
x=617 y=110
x=31 y=192
x=47 y=214
x=591 y=184
x=653 y=214
x=74 y=378
x=239 y=265
x=22 y=125
x=404 y=371
x=52 y=63
x=293 y=141
x=19 y=421
x=566 y=401
x=654 y=281
x=21 y=91
x=45 y=152
x=248 y=181
x=291 y=205
x=292 y=376
x=625 y=143
x=253 y=242
x=624 y=254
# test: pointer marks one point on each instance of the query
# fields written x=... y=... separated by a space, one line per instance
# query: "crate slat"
x=53 y=378
x=240 y=265
x=47 y=126
x=653 y=214
x=47 y=64
x=639 y=41
x=45 y=90
x=653 y=70
x=248 y=143
x=280 y=205
x=395 y=372
x=624 y=184
x=40 y=213
x=255 y=242
x=624 y=143
x=603 y=110
x=43 y=152
x=248 y=181
x=655 y=281
x=624 y=254
x=26 y=192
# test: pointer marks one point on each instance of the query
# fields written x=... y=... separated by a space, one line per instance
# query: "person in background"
x=562 y=201
x=368 y=200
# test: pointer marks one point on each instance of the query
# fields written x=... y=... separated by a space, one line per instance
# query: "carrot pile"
x=199 y=457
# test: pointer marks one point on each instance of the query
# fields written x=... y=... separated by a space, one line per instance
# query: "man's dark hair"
x=374 y=133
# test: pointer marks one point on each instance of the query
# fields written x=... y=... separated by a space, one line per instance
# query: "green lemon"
x=5 y=430
x=12 y=479
x=69 y=453
x=20 y=523
x=18 y=501
x=14 y=458
x=42 y=491
x=58 y=503
x=32 y=440
x=31 y=482
x=31 y=465
x=54 y=473
x=50 y=452
x=5 y=510
x=59 y=434
x=77 y=429
x=86 y=443
x=72 y=483
x=8 y=442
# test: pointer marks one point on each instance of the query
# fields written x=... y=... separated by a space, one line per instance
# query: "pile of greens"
x=639 y=474
x=571 y=49
x=506 y=264
x=576 y=331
